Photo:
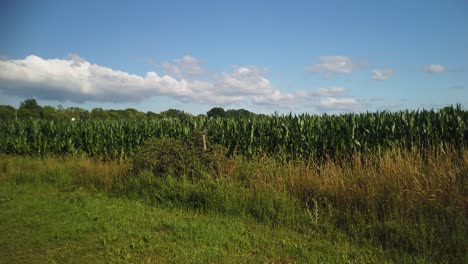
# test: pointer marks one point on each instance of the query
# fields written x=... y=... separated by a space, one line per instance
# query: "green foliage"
x=7 y=112
x=152 y=115
x=175 y=113
x=49 y=113
x=30 y=104
x=171 y=157
x=24 y=113
x=231 y=113
x=178 y=158
x=216 y=112
x=239 y=113
x=288 y=137
x=99 y=113
x=77 y=113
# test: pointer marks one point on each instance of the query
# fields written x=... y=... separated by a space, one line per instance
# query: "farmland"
x=370 y=187
x=289 y=136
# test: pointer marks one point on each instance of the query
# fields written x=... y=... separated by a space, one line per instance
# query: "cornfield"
x=288 y=136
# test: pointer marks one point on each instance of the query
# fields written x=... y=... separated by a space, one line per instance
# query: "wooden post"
x=204 y=141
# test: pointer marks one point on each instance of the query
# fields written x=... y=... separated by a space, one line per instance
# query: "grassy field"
x=42 y=223
x=394 y=208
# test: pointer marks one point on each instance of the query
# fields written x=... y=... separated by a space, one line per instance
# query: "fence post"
x=204 y=140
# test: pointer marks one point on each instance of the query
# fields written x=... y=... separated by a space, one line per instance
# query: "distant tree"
x=77 y=113
x=216 y=112
x=7 y=112
x=29 y=108
x=152 y=115
x=30 y=104
x=114 y=114
x=174 y=113
x=61 y=113
x=132 y=113
x=238 y=113
x=99 y=113
x=49 y=113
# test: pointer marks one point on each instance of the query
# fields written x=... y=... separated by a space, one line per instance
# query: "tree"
x=99 y=113
x=216 y=112
x=61 y=113
x=77 y=112
x=152 y=115
x=7 y=112
x=238 y=113
x=49 y=113
x=29 y=109
x=174 y=113
x=132 y=113
x=30 y=104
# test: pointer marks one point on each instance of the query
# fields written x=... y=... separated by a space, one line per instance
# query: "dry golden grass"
x=393 y=184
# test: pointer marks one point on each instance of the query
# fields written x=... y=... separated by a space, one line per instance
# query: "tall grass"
x=64 y=172
x=407 y=201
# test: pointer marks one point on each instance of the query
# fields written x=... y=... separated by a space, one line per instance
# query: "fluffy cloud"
x=186 y=67
x=382 y=75
x=334 y=64
x=78 y=80
x=243 y=81
x=434 y=68
x=326 y=99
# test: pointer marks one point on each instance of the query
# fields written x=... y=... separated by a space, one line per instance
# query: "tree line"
x=30 y=109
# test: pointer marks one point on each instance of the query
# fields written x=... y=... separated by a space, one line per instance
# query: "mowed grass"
x=40 y=223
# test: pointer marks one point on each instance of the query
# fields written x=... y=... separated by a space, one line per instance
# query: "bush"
x=173 y=157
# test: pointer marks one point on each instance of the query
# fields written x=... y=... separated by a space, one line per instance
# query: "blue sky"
x=264 y=56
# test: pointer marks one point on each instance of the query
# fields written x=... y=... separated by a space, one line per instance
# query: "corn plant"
x=287 y=136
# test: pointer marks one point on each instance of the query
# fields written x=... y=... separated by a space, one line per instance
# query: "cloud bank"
x=76 y=79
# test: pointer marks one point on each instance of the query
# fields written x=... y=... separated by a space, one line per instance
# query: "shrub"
x=173 y=157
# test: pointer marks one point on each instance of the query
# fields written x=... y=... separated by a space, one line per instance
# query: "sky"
x=263 y=56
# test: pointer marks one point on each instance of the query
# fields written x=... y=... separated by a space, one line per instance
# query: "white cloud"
x=434 y=68
x=382 y=74
x=243 y=81
x=330 y=91
x=276 y=98
x=346 y=104
x=78 y=80
x=186 y=67
x=321 y=98
x=286 y=99
x=75 y=79
x=334 y=64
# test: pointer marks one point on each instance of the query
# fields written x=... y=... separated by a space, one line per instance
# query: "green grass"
x=40 y=223
x=398 y=208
